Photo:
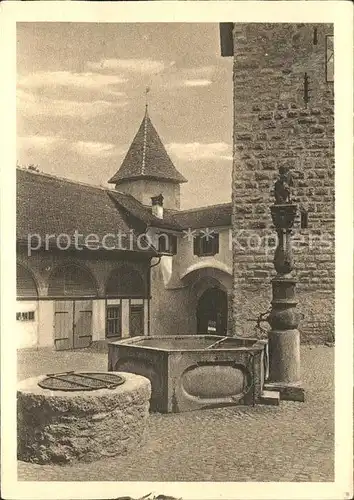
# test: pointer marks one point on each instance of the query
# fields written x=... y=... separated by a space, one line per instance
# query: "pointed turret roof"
x=147 y=158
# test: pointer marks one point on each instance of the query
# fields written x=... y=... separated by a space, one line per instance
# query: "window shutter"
x=161 y=243
x=136 y=327
x=216 y=243
x=173 y=244
x=226 y=39
x=196 y=245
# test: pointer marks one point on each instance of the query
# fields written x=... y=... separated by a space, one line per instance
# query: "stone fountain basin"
x=190 y=372
x=60 y=426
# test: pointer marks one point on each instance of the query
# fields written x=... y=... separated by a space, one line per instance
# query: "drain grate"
x=81 y=381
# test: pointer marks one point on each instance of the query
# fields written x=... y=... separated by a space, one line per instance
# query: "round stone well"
x=80 y=415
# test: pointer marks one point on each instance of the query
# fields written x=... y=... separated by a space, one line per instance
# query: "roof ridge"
x=149 y=217
x=130 y=196
x=65 y=179
x=144 y=144
x=205 y=207
x=147 y=158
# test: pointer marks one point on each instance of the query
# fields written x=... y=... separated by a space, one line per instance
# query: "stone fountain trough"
x=191 y=372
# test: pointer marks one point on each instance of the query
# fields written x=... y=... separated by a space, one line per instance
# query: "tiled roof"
x=142 y=212
x=50 y=205
x=195 y=218
x=147 y=158
x=198 y=218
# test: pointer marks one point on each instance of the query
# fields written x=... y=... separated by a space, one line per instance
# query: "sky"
x=81 y=91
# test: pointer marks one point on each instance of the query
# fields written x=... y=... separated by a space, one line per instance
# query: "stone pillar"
x=284 y=337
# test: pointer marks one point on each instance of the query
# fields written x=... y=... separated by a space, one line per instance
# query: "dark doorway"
x=136 y=320
x=212 y=312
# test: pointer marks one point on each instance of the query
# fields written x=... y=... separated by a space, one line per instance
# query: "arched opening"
x=25 y=284
x=126 y=282
x=72 y=281
x=212 y=312
x=26 y=308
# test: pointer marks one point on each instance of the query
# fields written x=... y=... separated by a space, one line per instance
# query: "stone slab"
x=270 y=398
x=288 y=392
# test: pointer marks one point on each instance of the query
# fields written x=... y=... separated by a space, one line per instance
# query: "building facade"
x=97 y=264
x=70 y=289
x=145 y=267
x=283 y=116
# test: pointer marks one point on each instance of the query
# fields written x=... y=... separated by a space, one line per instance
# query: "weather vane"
x=147 y=90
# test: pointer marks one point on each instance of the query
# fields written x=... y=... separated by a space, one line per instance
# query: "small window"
x=25 y=316
x=167 y=243
x=113 y=321
x=206 y=244
x=136 y=320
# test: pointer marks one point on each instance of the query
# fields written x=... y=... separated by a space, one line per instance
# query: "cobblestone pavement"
x=292 y=442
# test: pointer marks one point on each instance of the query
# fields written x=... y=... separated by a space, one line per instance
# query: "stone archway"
x=26 y=307
x=72 y=280
x=199 y=282
x=26 y=284
x=125 y=281
x=212 y=312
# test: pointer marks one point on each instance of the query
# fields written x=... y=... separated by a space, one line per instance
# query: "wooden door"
x=82 y=329
x=136 y=320
x=72 y=324
x=63 y=324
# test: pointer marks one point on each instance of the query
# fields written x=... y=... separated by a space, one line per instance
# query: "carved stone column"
x=284 y=337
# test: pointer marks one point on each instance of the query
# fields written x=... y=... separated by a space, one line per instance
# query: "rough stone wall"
x=274 y=127
x=61 y=427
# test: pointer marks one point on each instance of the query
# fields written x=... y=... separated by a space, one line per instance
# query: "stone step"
x=288 y=391
x=270 y=398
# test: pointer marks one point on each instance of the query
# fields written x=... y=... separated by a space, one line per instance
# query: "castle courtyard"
x=187 y=280
x=290 y=442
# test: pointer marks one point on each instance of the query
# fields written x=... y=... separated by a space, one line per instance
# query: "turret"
x=147 y=171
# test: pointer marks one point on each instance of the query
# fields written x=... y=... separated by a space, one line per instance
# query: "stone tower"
x=147 y=171
x=283 y=117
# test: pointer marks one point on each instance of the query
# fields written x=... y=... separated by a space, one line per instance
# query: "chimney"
x=157 y=206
